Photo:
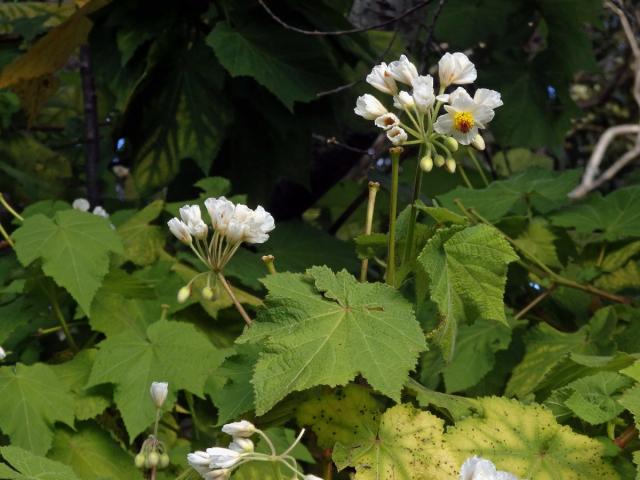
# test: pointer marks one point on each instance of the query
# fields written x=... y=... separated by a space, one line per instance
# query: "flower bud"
x=451 y=143
x=183 y=294
x=159 y=392
x=164 y=461
x=140 y=460
x=450 y=164
x=241 y=445
x=220 y=474
x=207 y=293
x=478 y=142
x=3 y=354
x=426 y=164
x=223 y=457
x=153 y=459
x=311 y=477
x=242 y=429
x=439 y=161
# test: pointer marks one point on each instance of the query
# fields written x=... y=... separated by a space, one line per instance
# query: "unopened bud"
x=159 y=392
x=164 y=461
x=451 y=143
x=140 y=460
x=450 y=164
x=439 y=161
x=241 y=445
x=478 y=142
x=207 y=293
x=153 y=459
x=183 y=294
x=426 y=163
x=3 y=354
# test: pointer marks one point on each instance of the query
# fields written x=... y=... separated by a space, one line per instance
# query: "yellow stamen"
x=463 y=121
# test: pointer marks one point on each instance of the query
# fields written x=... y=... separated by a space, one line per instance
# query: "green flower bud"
x=164 y=461
x=451 y=143
x=450 y=164
x=478 y=142
x=426 y=164
x=153 y=459
x=207 y=293
x=183 y=294
x=439 y=160
x=140 y=460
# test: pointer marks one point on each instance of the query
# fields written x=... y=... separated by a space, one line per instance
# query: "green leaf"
x=516 y=160
x=544 y=190
x=546 y=348
x=593 y=398
x=408 y=444
x=456 y=407
x=341 y=415
x=627 y=277
x=467 y=269
x=293 y=67
x=538 y=240
x=112 y=313
x=528 y=442
x=615 y=216
x=172 y=352
x=88 y=403
x=617 y=258
x=74 y=248
x=630 y=400
x=187 y=118
x=324 y=328
x=93 y=454
x=32 y=467
x=142 y=241
x=32 y=400
x=475 y=352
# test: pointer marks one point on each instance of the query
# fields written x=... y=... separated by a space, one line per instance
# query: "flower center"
x=463 y=121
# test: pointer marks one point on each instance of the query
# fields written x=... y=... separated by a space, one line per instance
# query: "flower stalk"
x=368 y=226
x=393 y=213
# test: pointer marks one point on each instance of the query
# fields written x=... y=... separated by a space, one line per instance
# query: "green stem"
x=63 y=323
x=243 y=313
x=157 y=422
x=464 y=176
x=9 y=208
x=413 y=214
x=194 y=418
x=6 y=236
x=393 y=212
x=368 y=225
x=478 y=166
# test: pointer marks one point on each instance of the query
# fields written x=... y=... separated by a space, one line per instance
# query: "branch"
x=342 y=32
x=590 y=180
x=91 y=127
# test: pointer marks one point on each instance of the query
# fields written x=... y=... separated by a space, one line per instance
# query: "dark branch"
x=91 y=127
x=342 y=32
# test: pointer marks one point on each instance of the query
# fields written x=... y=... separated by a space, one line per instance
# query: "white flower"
x=3 y=354
x=261 y=224
x=242 y=429
x=369 y=107
x=81 y=204
x=476 y=468
x=456 y=69
x=241 y=445
x=380 y=78
x=180 y=230
x=159 y=392
x=311 y=477
x=387 y=121
x=423 y=92
x=488 y=98
x=223 y=457
x=403 y=100
x=397 y=135
x=101 y=212
x=403 y=70
x=199 y=461
x=191 y=215
x=463 y=118
x=220 y=211
x=221 y=474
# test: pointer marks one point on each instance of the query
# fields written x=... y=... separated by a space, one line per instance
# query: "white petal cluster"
x=83 y=205
x=3 y=354
x=464 y=115
x=192 y=218
x=238 y=222
x=241 y=429
x=159 y=391
x=476 y=468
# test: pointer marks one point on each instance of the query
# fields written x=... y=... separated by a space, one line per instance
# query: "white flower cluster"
x=83 y=205
x=231 y=224
x=464 y=117
x=218 y=463
x=476 y=468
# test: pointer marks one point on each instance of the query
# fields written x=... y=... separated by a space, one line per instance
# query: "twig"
x=334 y=141
x=589 y=180
x=535 y=302
x=625 y=437
x=92 y=132
x=343 y=32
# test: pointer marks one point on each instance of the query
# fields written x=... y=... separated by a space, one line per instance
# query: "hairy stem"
x=393 y=212
x=238 y=305
x=368 y=226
